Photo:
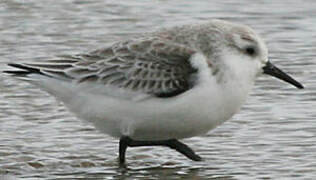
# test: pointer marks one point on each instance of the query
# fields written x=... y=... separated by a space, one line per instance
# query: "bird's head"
x=244 y=52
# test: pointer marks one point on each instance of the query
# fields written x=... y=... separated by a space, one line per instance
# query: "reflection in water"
x=272 y=137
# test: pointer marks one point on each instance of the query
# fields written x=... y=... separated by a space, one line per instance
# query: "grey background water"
x=274 y=136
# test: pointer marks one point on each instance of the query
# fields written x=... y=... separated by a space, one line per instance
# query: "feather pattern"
x=149 y=65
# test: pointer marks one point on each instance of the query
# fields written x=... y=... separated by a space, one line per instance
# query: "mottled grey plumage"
x=151 y=65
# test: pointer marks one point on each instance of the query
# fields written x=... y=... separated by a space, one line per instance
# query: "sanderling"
x=159 y=87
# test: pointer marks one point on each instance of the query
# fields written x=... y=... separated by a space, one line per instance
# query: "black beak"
x=272 y=70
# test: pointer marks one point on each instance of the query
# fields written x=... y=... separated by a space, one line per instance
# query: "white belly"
x=192 y=113
x=187 y=115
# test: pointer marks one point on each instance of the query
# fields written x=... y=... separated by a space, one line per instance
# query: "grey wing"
x=151 y=66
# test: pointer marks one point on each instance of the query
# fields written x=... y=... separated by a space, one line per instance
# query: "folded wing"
x=152 y=66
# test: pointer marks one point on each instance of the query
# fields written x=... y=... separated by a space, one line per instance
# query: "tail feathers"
x=23 y=70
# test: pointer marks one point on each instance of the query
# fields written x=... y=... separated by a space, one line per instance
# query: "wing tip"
x=21 y=70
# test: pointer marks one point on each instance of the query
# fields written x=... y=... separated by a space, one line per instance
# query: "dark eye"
x=250 y=50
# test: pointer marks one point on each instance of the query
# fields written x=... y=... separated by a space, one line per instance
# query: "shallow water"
x=274 y=136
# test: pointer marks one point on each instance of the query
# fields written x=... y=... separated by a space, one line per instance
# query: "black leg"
x=122 y=149
x=172 y=143
x=183 y=149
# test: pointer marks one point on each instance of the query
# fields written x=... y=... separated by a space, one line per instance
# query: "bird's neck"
x=237 y=84
x=237 y=73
